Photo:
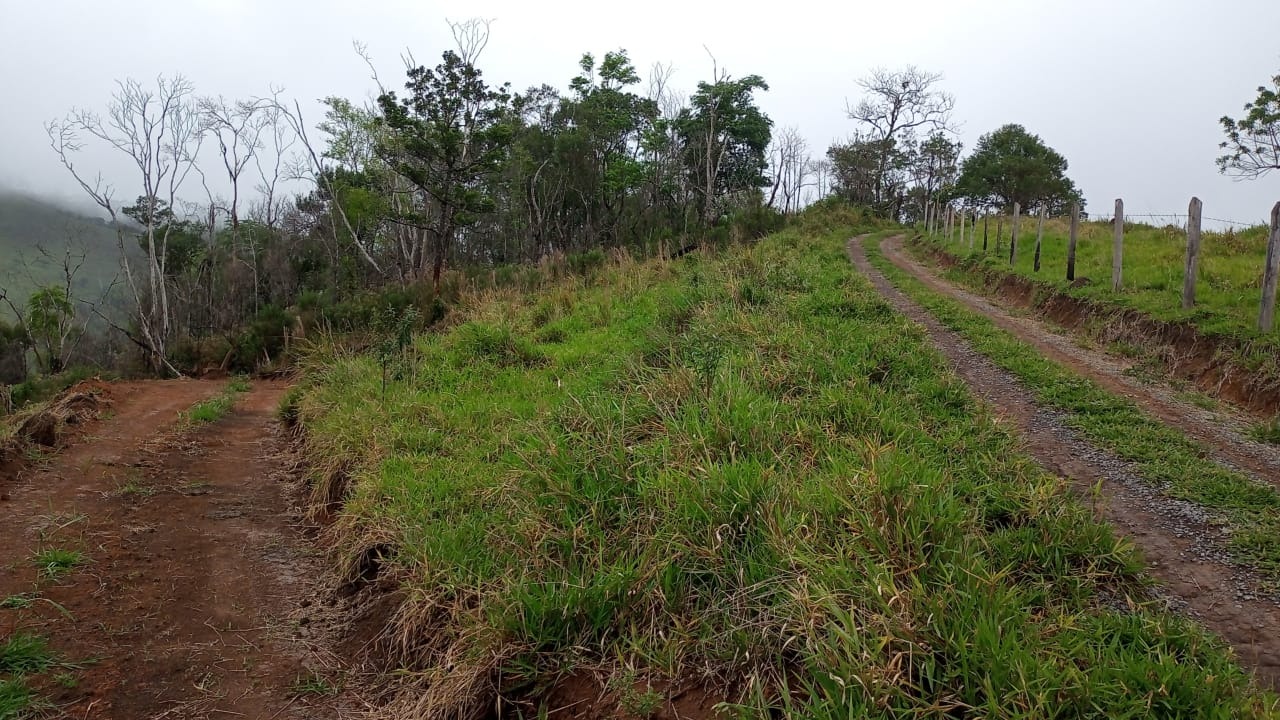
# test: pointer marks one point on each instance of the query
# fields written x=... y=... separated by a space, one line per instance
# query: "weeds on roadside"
x=315 y=684
x=1267 y=432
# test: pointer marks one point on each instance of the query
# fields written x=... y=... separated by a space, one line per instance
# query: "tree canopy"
x=1011 y=165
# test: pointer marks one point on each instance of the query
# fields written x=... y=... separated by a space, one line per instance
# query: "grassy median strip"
x=1165 y=456
x=742 y=471
x=217 y=407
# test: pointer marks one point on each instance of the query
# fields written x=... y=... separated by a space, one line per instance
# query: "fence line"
x=942 y=221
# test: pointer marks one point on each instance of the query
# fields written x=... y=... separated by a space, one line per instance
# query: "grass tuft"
x=1267 y=432
x=56 y=562
x=24 y=653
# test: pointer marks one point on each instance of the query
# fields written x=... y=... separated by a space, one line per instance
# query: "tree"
x=447 y=137
x=159 y=131
x=610 y=121
x=1253 y=141
x=50 y=320
x=725 y=138
x=857 y=168
x=1011 y=165
x=935 y=165
x=49 y=324
x=791 y=167
x=896 y=105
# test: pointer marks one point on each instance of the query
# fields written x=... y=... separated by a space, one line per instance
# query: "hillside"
x=27 y=222
x=739 y=478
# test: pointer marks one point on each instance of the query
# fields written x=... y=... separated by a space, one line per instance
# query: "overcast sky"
x=1130 y=91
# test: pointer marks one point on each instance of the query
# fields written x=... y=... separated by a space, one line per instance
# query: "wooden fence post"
x=927 y=207
x=1117 y=248
x=1040 y=235
x=1267 y=315
x=964 y=215
x=946 y=214
x=1193 y=254
x=986 y=221
x=1071 y=242
x=1013 y=238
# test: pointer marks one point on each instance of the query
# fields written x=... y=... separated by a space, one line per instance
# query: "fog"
x=1129 y=92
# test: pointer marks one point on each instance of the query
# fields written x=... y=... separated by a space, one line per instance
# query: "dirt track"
x=190 y=604
x=1223 y=429
x=1184 y=550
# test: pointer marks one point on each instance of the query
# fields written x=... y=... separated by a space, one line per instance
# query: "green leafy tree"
x=1012 y=165
x=185 y=242
x=610 y=122
x=1253 y=141
x=447 y=136
x=726 y=138
x=50 y=320
x=860 y=166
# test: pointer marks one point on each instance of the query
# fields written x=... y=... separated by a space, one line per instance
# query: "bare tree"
x=1253 y=141
x=271 y=160
x=471 y=36
x=160 y=131
x=790 y=165
x=237 y=127
x=896 y=104
x=821 y=171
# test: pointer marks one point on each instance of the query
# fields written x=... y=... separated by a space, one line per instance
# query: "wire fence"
x=946 y=220
x=1172 y=218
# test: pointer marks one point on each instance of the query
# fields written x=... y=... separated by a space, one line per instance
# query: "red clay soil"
x=190 y=601
x=584 y=696
x=1183 y=549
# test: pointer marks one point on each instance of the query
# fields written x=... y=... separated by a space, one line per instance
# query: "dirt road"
x=190 y=600
x=1184 y=550
x=1223 y=429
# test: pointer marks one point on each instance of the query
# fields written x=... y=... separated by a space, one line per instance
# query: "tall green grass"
x=1228 y=291
x=1165 y=456
x=744 y=471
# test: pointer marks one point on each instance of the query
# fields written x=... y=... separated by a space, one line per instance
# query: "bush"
x=43 y=387
x=262 y=339
x=13 y=355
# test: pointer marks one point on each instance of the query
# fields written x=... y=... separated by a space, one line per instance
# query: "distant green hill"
x=27 y=223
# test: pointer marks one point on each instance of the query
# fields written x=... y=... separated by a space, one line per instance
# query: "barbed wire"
x=1183 y=217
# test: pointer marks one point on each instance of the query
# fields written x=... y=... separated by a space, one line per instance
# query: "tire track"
x=1184 y=550
x=1224 y=432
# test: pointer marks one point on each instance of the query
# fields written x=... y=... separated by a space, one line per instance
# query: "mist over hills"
x=36 y=234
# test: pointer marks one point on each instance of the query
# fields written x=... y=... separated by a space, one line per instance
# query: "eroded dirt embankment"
x=1184 y=549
